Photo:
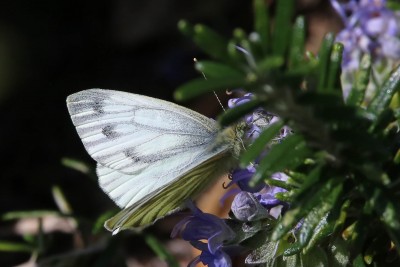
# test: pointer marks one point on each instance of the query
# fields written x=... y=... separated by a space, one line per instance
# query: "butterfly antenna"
x=205 y=78
x=219 y=101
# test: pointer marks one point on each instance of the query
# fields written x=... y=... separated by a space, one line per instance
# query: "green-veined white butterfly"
x=151 y=154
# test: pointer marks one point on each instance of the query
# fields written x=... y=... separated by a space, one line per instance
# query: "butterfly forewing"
x=127 y=132
x=143 y=146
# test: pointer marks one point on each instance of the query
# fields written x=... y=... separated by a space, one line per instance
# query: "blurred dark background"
x=50 y=49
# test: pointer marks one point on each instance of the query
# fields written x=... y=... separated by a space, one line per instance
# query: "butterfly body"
x=151 y=154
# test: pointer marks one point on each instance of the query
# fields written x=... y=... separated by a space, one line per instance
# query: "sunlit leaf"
x=386 y=92
x=76 y=165
x=7 y=246
x=61 y=200
x=357 y=92
x=264 y=254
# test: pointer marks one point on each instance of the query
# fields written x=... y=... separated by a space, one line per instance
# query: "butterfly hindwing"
x=172 y=197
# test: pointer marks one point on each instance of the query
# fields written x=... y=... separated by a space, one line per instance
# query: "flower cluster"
x=258 y=120
x=370 y=28
x=259 y=200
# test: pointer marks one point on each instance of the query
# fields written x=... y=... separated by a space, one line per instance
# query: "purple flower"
x=246 y=207
x=216 y=259
x=258 y=120
x=370 y=27
x=267 y=196
x=242 y=177
x=201 y=226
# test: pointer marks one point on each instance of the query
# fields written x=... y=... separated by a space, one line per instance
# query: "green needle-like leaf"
x=7 y=246
x=283 y=27
x=317 y=215
x=292 y=249
x=385 y=94
x=279 y=157
x=261 y=24
x=270 y=63
x=12 y=215
x=264 y=254
x=211 y=42
x=334 y=83
x=324 y=58
x=186 y=28
x=357 y=92
x=323 y=229
x=208 y=40
x=297 y=46
x=302 y=205
x=212 y=69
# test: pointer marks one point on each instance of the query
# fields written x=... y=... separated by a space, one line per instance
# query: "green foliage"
x=259 y=144
x=15 y=247
x=160 y=250
x=357 y=93
x=92 y=244
x=343 y=158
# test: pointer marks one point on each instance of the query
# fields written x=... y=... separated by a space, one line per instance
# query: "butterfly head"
x=233 y=135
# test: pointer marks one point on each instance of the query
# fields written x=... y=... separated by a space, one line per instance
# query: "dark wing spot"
x=98 y=106
x=108 y=131
x=130 y=153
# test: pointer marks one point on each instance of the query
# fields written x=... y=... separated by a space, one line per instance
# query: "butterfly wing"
x=172 y=197
x=142 y=145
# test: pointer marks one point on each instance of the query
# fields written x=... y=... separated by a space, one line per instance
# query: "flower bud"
x=246 y=207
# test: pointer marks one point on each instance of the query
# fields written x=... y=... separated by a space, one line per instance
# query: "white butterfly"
x=151 y=154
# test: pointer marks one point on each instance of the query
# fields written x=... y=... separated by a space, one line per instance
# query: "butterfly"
x=151 y=154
